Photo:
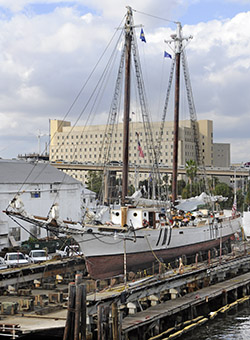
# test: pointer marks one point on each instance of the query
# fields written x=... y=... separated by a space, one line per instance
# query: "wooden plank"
x=170 y=307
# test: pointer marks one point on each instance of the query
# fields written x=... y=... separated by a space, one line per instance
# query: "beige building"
x=87 y=143
x=221 y=154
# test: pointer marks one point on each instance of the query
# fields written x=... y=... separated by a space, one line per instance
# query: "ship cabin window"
x=135 y=214
x=117 y=213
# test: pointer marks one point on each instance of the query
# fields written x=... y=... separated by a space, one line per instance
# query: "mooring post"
x=224 y=298
x=209 y=257
x=83 y=325
x=78 y=304
x=107 y=331
x=69 y=325
x=100 y=322
x=115 y=321
x=196 y=260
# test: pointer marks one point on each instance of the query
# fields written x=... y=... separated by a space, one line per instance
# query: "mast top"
x=177 y=38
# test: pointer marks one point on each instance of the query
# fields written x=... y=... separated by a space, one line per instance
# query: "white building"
x=39 y=186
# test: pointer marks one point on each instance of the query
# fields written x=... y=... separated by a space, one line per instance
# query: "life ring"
x=145 y=223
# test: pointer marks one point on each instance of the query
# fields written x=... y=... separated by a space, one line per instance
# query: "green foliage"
x=226 y=191
x=94 y=181
x=180 y=186
x=212 y=182
x=131 y=190
x=185 y=192
x=247 y=196
x=191 y=172
x=191 y=169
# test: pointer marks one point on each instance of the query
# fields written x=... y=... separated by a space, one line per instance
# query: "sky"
x=49 y=49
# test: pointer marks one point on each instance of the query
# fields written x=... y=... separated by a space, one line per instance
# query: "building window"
x=35 y=194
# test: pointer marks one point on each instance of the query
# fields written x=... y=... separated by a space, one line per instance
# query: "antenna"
x=39 y=135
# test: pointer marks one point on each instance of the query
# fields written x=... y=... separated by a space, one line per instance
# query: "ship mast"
x=178 y=45
x=177 y=39
x=128 y=41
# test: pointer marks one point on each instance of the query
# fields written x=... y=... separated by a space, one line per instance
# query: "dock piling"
x=115 y=321
x=75 y=326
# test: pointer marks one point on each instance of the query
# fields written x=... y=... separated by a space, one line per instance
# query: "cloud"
x=47 y=55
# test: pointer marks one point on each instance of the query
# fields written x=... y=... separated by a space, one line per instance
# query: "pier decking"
x=151 y=306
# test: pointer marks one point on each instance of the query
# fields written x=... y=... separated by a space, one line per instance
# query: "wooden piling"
x=69 y=325
x=75 y=326
x=83 y=327
x=209 y=258
x=196 y=260
x=106 y=328
x=100 y=322
x=115 y=332
x=78 y=305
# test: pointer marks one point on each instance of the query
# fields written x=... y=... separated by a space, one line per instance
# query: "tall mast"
x=178 y=45
x=177 y=39
x=128 y=41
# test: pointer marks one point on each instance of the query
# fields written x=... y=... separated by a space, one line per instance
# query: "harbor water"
x=232 y=326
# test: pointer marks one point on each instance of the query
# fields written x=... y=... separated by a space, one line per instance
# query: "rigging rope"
x=155 y=256
x=154 y=16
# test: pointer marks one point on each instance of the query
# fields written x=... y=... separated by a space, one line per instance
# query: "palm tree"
x=191 y=172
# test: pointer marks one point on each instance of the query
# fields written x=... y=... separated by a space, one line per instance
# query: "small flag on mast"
x=167 y=55
x=141 y=154
x=142 y=36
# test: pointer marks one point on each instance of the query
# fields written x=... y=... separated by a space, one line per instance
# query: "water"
x=233 y=326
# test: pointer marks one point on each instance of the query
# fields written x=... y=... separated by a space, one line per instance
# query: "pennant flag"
x=141 y=154
x=234 y=207
x=142 y=36
x=167 y=55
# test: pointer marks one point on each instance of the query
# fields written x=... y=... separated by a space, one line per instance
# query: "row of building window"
x=100 y=136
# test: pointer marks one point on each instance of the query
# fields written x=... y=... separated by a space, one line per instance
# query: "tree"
x=212 y=182
x=247 y=196
x=191 y=172
x=131 y=189
x=94 y=181
x=181 y=184
x=226 y=191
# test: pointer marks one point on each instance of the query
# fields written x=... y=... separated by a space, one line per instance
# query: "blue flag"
x=142 y=36
x=167 y=55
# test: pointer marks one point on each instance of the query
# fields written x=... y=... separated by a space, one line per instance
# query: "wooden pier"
x=160 y=306
x=204 y=302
